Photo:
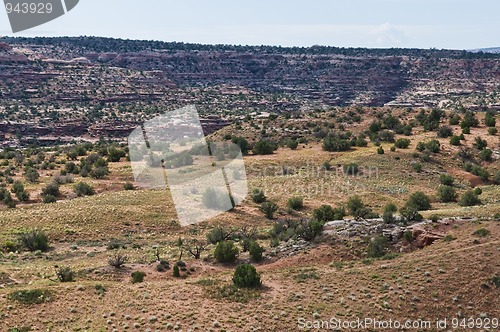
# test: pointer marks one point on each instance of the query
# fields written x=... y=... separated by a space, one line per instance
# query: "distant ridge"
x=493 y=50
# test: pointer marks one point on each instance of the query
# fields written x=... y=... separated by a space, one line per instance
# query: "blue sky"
x=456 y=24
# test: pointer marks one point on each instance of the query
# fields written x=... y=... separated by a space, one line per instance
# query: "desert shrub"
x=482 y=232
x=433 y=146
x=326 y=213
x=446 y=180
x=393 y=148
x=354 y=204
x=469 y=120
x=31 y=175
x=100 y=289
x=420 y=146
x=455 y=140
x=380 y=150
x=454 y=120
x=377 y=247
x=128 y=186
x=495 y=280
x=408 y=236
x=226 y=252
x=84 y=189
x=258 y=196
x=479 y=171
x=215 y=199
x=6 y=198
x=49 y=199
x=256 y=251
x=492 y=131
x=417 y=167
x=176 y=272
x=138 y=276
x=163 y=266
x=242 y=143
x=466 y=131
x=391 y=207
x=51 y=189
x=308 y=230
x=18 y=189
x=264 y=148
x=219 y=234
x=34 y=240
x=64 y=274
x=246 y=276
x=444 y=132
x=99 y=172
x=402 y=143
x=480 y=143
x=489 y=120
x=446 y=194
x=293 y=144
x=486 y=154
x=31 y=296
x=410 y=213
x=295 y=203
x=336 y=143
x=496 y=177
x=388 y=217
x=351 y=169
x=114 y=154
x=117 y=260
x=419 y=201
x=469 y=198
x=269 y=208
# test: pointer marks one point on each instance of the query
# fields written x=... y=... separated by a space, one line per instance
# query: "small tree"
x=117 y=260
x=469 y=198
x=246 y=276
x=377 y=247
x=269 y=208
x=446 y=194
x=196 y=248
x=219 y=234
x=295 y=203
x=419 y=201
x=264 y=148
x=256 y=251
x=258 y=196
x=176 y=271
x=34 y=240
x=226 y=252
x=84 y=189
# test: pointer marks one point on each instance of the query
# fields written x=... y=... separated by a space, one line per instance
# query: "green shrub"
x=417 y=167
x=469 y=198
x=64 y=274
x=264 y=148
x=258 y=196
x=219 y=234
x=377 y=247
x=226 y=252
x=256 y=251
x=478 y=191
x=444 y=132
x=51 y=189
x=138 y=276
x=402 y=143
x=49 y=199
x=351 y=169
x=99 y=172
x=84 y=189
x=419 y=201
x=480 y=143
x=388 y=217
x=295 y=203
x=18 y=189
x=391 y=207
x=128 y=186
x=308 y=230
x=486 y=154
x=489 y=120
x=176 y=273
x=336 y=143
x=455 y=140
x=446 y=194
x=293 y=144
x=246 y=276
x=326 y=213
x=408 y=236
x=269 y=208
x=482 y=232
x=492 y=131
x=32 y=296
x=354 y=204
x=410 y=213
x=34 y=240
x=495 y=280
x=446 y=180
x=117 y=260
x=380 y=150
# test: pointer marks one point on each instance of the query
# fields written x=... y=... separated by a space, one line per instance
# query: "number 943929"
x=29 y=8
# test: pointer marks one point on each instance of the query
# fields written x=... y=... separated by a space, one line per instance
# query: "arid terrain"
x=374 y=179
